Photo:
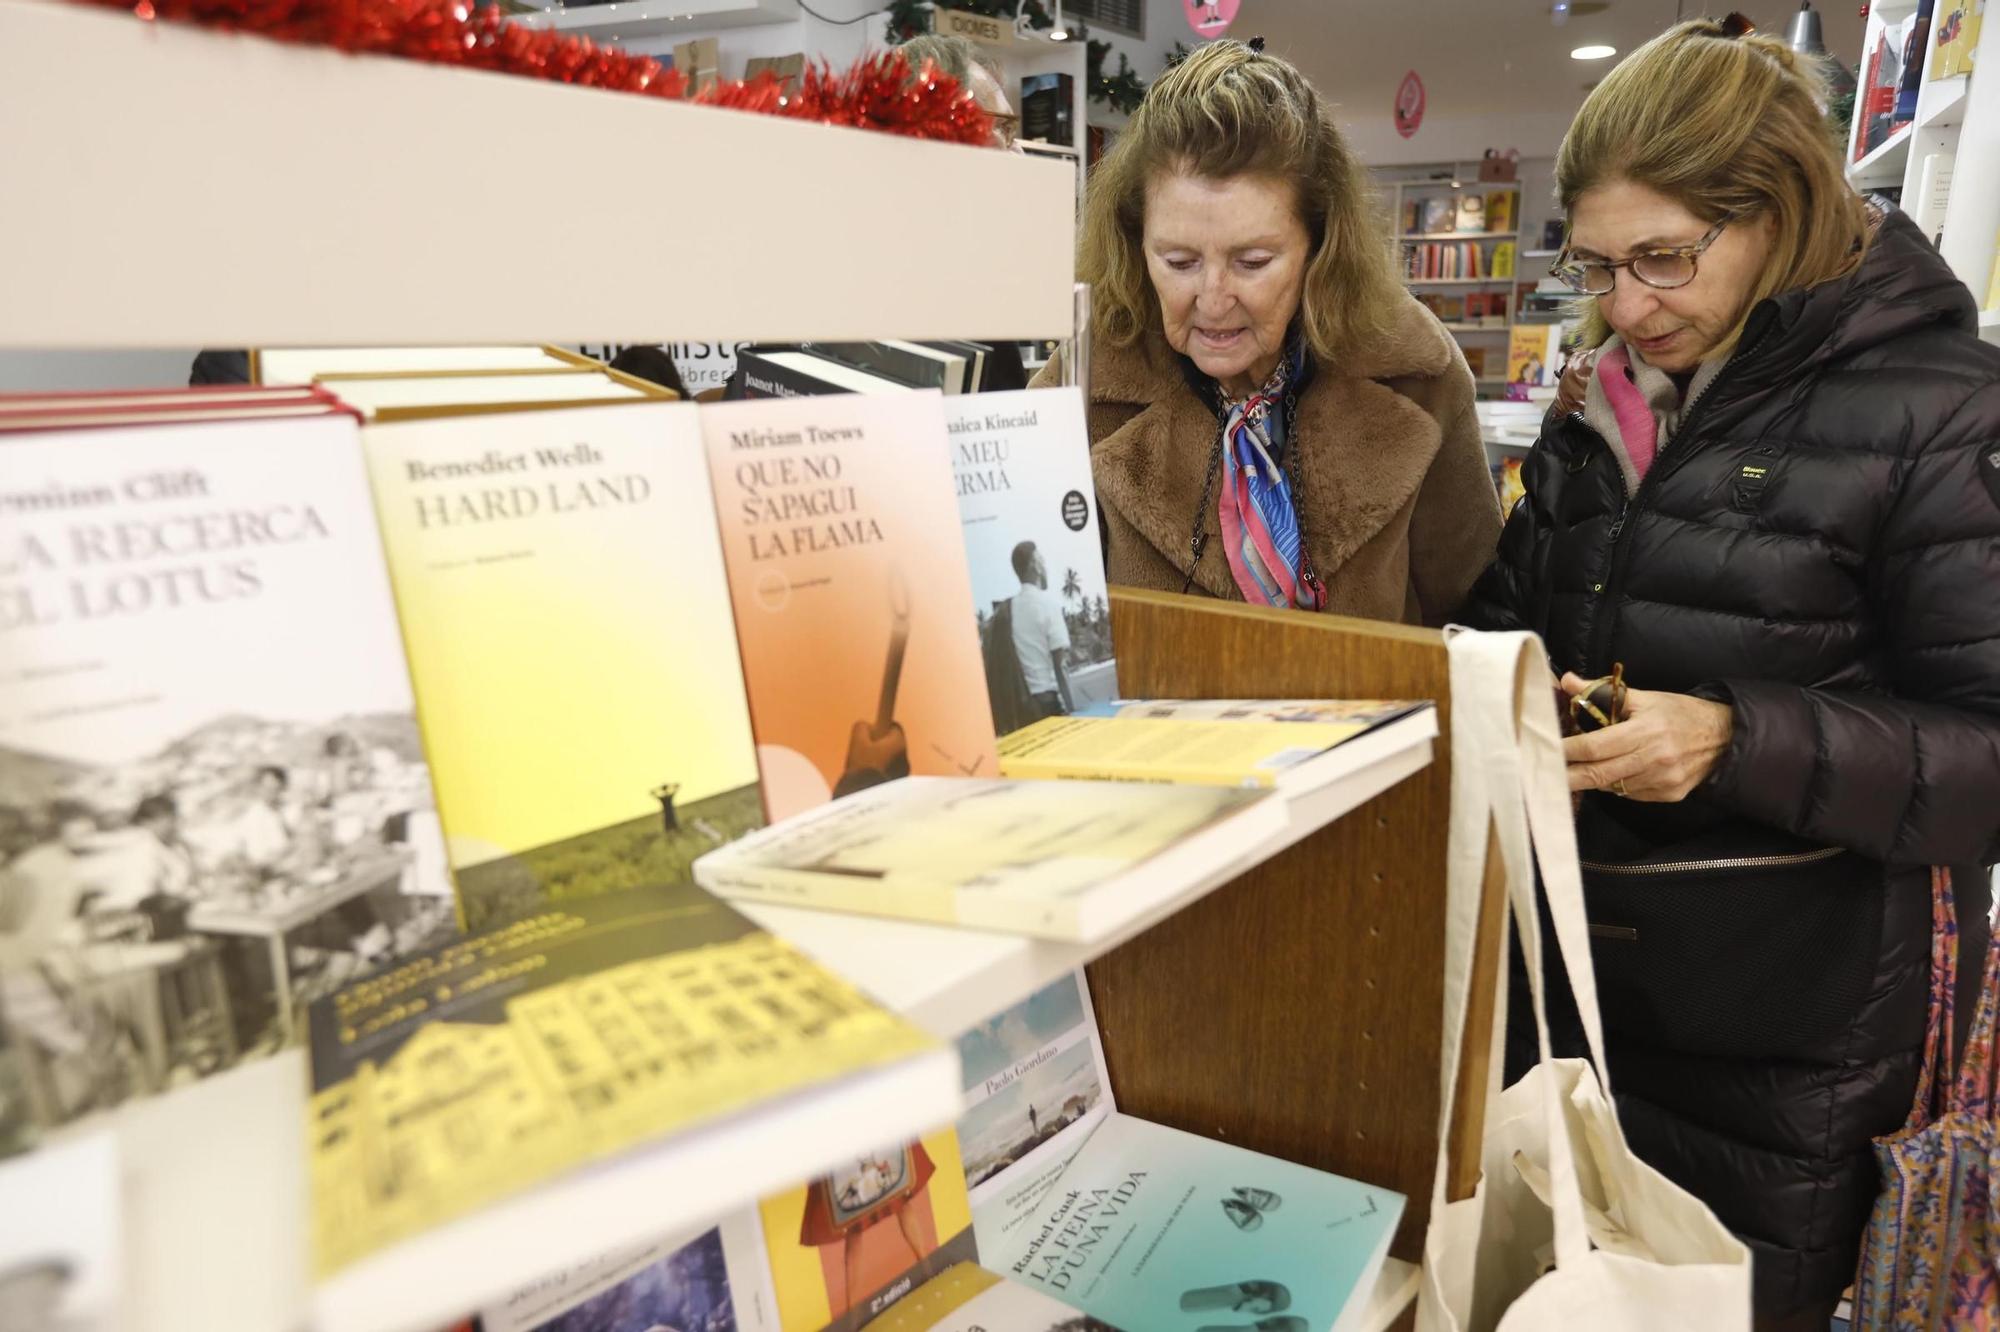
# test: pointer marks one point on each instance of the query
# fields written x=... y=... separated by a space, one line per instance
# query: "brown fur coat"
x=1399 y=509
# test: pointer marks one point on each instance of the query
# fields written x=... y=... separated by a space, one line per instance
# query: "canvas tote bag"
x=1567 y=1228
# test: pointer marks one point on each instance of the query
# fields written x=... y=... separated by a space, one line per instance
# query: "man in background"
x=1041 y=635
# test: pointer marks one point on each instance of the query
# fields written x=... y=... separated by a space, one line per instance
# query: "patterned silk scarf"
x=1259 y=515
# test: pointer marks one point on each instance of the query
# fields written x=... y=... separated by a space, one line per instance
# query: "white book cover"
x=1035 y=1087
x=217 y=802
x=716 y=1281
x=61 y=1259
x=1021 y=462
x=1057 y=860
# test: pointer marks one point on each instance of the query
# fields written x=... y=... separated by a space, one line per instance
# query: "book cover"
x=1503 y=259
x=1439 y=215
x=384 y=397
x=848 y=1246
x=913 y=363
x=1035 y=1087
x=1154 y=749
x=1150 y=1227
x=1359 y=714
x=1957 y=37
x=1048 y=109
x=968 y=1298
x=569 y=627
x=214 y=791
x=1021 y=462
x=1512 y=489
x=1500 y=210
x=560 y=1039
x=1472 y=212
x=714 y=1282
x=1060 y=860
x=853 y=606
x=1533 y=354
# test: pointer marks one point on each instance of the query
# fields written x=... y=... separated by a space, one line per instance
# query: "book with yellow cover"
x=568 y=626
x=845 y=1248
x=507 y=1061
x=840 y=526
x=968 y=1298
x=1291 y=745
x=1056 y=860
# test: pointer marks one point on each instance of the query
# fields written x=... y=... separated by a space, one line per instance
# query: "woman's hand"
x=1666 y=746
x=1575 y=382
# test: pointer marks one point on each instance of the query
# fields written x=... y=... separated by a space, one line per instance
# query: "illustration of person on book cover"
x=849 y=1245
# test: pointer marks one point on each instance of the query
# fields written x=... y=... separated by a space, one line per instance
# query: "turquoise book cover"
x=1153 y=1228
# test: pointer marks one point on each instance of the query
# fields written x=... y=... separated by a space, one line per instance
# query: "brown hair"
x=1725 y=126
x=1229 y=111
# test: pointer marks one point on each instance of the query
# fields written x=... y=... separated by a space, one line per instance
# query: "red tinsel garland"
x=876 y=94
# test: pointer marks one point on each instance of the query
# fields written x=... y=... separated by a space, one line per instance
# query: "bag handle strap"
x=1974 y=1093
x=1928 y=1103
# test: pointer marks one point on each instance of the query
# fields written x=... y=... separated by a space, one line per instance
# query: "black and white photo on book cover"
x=1021 y=461
x=714 y=1282
x=1035 y=1087
x=213 y=801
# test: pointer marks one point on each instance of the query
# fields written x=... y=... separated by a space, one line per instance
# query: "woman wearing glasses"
x=1778 y=510
x=1273 y=419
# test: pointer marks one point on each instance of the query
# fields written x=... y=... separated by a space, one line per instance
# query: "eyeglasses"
x=1665 y=269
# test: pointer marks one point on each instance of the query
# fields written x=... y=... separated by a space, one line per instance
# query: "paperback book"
x=565 y=1038
x=968 y=1298
x=715 y=1282
x=569 y=627
x=1021 y=462
x=1056 y=860
x=209 y=760
x=1035 y=1087
x=853 y=609
x=1150 y=1228
x=848 y=1246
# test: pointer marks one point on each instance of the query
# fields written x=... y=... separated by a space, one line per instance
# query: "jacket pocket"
x=1749 y=956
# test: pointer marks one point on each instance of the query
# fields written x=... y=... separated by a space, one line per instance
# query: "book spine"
x=762 y=379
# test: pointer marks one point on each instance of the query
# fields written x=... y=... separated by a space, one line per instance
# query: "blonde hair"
x=1727 y=127
x=1229 y=111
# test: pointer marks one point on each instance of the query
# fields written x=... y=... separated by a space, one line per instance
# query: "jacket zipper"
x=1722 y=863
x=1600 y=635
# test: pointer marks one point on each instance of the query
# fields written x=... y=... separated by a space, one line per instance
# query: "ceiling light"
x=1593 y=52
x=1058 y=34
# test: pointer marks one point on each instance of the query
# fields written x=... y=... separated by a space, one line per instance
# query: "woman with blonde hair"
x=1777 y=514
x=1272 y=417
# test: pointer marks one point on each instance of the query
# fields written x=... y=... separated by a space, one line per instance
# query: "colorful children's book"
x=568 y=620
x=849 y=1245
x=1021 y=462
x=841 y=532
x=1150 y=1227
x=715 y=1282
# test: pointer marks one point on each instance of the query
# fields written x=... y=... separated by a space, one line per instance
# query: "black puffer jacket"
x=1819 y=547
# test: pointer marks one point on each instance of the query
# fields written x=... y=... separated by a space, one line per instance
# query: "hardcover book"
x=1056 y=860
x=214 y=789
x=853 y=607
x=968 y=1298
x=916 y=364
x=776 y=372
x=569 y=627
x=1021 y=462
x=1151 y=1227
x=568 y=1037
x=848 y=1246
x=1035 y=1087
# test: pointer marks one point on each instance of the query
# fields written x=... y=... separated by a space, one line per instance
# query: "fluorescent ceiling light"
x=1593 y=52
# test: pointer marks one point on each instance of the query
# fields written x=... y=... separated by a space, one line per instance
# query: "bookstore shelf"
x=947 y=979
x=1458 y=235
x=1944 y=102
x=349 y=149
x=626 y=19
x=1459 y=282
x=217 y=1203
x=1884 y=166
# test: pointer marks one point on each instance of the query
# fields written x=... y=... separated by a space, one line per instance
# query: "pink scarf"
x=1636 y=426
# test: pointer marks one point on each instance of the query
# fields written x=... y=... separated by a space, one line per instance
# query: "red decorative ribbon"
x=876 y=94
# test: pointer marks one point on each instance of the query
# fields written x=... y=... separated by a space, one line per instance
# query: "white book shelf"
x=1957 y=120
x=372 y=201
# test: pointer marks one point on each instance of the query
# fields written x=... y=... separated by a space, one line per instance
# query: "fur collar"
x=1367 y=439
